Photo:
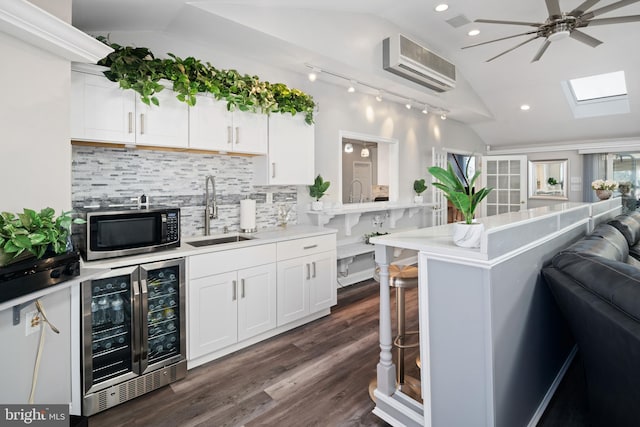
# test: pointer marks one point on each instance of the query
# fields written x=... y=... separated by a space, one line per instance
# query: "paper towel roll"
x=247 y=215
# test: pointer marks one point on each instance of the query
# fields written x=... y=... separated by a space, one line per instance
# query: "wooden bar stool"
x=402 y=278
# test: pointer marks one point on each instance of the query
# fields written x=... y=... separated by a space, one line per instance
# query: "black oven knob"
x=55 y=274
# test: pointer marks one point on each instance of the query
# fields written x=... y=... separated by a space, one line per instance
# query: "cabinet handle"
x=242 y=285
x=229 y=135
x=310 y=247
x=130 y=121
x=234 y=284
x=237 y=135
x=314 y=268
x=273 y=170
x=308 y=272
x=141 y=124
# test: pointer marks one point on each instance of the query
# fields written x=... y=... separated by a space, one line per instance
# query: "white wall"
x=35 y=173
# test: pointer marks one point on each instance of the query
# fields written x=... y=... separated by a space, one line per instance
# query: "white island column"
x=386 y=372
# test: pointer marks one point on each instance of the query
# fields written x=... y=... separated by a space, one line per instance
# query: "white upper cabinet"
x=290 y=160
x=213 y=127
x=101 y=111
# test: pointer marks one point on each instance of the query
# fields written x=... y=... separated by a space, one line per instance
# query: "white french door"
x=508 y=177
x=439 y=212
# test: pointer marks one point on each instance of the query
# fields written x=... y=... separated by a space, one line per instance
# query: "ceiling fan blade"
x=584 y=38
x=494 y=21
x=609 y=8
x=616 y=20
x=586 y=5
x=553 y=6
x=502 y=38
x=541 y=51
x=513 y=48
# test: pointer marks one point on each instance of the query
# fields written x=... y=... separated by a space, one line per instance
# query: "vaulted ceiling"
x=346 y=37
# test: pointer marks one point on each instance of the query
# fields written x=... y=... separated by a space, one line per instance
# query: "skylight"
x=600 y=95
x=599 y=86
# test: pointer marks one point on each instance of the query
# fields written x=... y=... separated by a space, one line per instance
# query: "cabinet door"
x=293 y=290
x=210 y=125
x=256 y=300
x=166 y=125
x=100 y=110
x=249 y=132
x=291 y=152
x=213 y=313
x=322 y=287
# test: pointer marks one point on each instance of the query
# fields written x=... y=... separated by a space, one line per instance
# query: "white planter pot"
x=467 y=235
x=418 y=199
x=316 y=206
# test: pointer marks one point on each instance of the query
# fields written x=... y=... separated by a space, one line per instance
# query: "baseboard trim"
x=554 y=386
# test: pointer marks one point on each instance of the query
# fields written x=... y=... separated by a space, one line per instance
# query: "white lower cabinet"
x=231 y=307
x=238 y=297
x=306 y=284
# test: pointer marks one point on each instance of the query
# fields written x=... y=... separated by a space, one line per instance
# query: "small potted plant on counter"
x=419 y=187
x=317 y=190
x=32 y=234
x=465 y=198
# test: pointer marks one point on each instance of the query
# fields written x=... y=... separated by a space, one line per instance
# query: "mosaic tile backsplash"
x=114 y=176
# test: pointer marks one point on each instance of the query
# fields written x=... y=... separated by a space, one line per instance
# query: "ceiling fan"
x=560 y=25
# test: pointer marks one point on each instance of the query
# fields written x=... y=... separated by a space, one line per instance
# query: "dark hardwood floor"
x=315 y=375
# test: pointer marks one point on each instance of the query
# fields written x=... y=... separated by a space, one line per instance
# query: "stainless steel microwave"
x=109 y=234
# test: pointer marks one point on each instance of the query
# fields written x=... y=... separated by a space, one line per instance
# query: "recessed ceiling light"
x=312 y=76
x=473 y=33
x=525 y=107
x=441 y=7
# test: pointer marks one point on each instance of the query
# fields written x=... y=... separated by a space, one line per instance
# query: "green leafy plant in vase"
x=34 y=234
x=419 y=187
x=463 y=196
x=317 y=190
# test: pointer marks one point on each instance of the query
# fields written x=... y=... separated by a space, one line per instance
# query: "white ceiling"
x=345 y=36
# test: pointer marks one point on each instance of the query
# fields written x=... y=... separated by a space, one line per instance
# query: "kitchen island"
x=493 y=345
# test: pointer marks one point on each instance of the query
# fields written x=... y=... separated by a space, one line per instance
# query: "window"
x=599 y=95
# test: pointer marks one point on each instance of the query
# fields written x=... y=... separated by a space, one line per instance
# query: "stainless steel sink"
x=218 y=241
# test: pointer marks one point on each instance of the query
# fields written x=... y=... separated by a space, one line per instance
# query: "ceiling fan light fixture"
x=558 y=35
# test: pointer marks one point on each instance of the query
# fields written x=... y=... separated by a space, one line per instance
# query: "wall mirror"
x=369 y=169
x=548 y=179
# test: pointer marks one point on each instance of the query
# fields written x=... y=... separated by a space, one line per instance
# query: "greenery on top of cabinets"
x=138 y=69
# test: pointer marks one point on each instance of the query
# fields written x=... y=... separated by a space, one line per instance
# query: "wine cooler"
x=133 y=333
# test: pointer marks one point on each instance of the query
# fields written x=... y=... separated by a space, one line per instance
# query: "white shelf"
x=354 y=249
x=351 y=213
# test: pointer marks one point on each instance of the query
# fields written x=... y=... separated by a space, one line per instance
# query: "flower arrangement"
x=600 y=184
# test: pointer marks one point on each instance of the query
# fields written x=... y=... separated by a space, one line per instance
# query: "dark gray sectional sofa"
x=596 y=283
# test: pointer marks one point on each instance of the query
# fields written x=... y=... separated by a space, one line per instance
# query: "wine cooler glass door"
x=109 y=338
x=163 y=308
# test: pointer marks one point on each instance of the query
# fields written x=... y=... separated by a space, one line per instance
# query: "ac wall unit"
x=408 y=59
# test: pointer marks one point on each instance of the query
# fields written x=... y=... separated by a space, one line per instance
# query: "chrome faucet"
x=211 y=207
x=351 y=190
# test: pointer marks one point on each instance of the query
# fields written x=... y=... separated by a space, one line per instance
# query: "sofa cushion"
x=615 y=282
x=628 y=226
x=605 y=241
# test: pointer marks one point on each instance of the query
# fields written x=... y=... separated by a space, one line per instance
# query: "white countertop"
x=262 y=237
x=439 y=239
x=369 y=207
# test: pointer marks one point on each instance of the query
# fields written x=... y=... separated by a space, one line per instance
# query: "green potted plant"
x=34 y=234
x=465 y=198
x=317 y=190
x=419 y=187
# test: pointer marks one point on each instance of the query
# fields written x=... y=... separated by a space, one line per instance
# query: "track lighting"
x=443 y=116
x=377 y=92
